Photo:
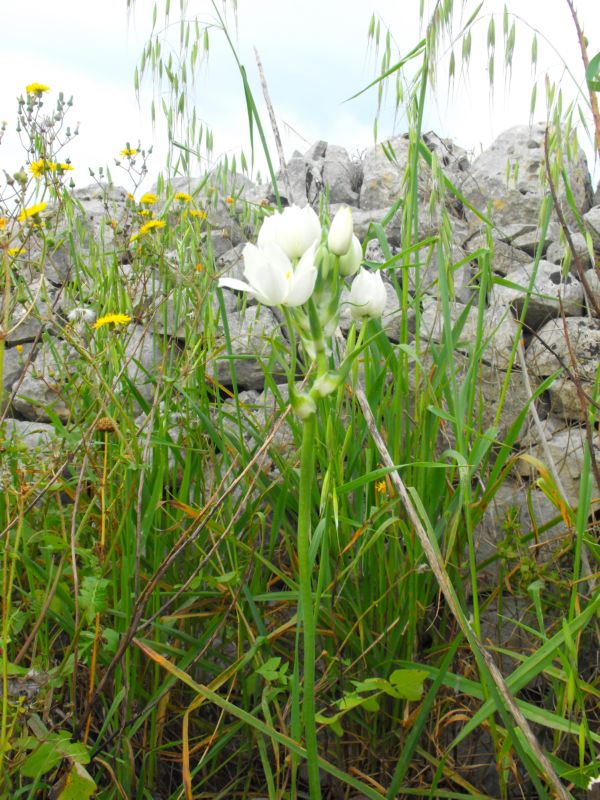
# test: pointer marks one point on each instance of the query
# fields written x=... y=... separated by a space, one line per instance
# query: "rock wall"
x=42 y=365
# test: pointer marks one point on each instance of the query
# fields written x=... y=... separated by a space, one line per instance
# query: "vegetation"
x=158 y=577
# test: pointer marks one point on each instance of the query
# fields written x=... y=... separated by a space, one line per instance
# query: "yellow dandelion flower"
x=39 y=168
x=230 y=200
x=148 y=199
x=381 y=487
x=3 y=222
x=199 y=267
x=130 y=197
x=151 y=225
x=145 y=212
x=32 y=211
x=115 y=319
x=183 y=197
x=128 y=152
x=14 y=251
x=36 y=88
x=196 y=212
x=66 y=167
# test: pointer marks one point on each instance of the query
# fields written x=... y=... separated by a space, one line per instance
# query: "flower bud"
x=327 y=383
x=367 y=295
x=340 y=232
x=350 y=263
x=303 y=405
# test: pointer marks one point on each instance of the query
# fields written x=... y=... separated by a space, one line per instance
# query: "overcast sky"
x=314 y=54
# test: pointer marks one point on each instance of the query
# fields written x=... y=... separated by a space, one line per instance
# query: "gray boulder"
x=549 y=285
x=508 y=173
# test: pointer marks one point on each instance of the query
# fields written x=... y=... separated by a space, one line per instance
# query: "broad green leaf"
x=79 y=784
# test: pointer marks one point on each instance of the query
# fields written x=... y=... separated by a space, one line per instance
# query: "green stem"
x=307 y=617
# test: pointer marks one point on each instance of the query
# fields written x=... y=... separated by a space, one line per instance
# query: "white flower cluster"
x=281 y=269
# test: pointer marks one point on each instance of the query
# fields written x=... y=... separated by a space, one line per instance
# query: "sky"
x=315 y=55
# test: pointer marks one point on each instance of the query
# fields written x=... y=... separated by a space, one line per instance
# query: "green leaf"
x=79 y=784
x=592 y=74
x=51 y=752
x=93 y=596
x=408 y=683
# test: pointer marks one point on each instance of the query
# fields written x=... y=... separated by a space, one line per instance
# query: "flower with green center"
x=112 y=319
x=294 y=230
x=30 y=212
x=36 y=88
x=367 y=295
x=273 y=279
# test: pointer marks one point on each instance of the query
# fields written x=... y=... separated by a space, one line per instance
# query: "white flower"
x=81 y=314
x=367 y=295
x=294 y=230
x=350 y=263
x=273 y=279
x=340 y=232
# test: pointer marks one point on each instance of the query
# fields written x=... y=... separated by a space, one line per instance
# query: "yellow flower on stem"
x=108 y=319
x=230 y=200
x=381 y=487
x=3 y=222
x=66 y=167
x=152 y=225
x=145 y=212
x=183 y=197
x=148 y=199
x=199 y=267
x=14 y=251
x=36 y=88
x=32 y=211
x=128 y=152
x=197 y=212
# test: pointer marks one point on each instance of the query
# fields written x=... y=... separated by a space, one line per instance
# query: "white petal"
x=367 y=295
x=339 y=238
x=266 y=271
x=350 y=263
x=298 y=229
x=303 y=279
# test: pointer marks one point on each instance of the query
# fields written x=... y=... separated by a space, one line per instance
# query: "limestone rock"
x=503 y=538
x=504 y=257
x=252 y=333
x=566 y=446
x=51 y=381
x=498 y=324
x=507 y=174
x=592 y=223
x=559 y=252
x=545 y=359
x=548 y=286
x=32 y=312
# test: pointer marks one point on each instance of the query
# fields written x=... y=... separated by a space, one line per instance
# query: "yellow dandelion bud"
x=19 y=348
x=115 y=319
x=198 y=213
x=32 y=211
x=183 y=197
x=230 y=200
x=3 y=222
x=148 y=199
x=128 y=152
x=36 y=88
